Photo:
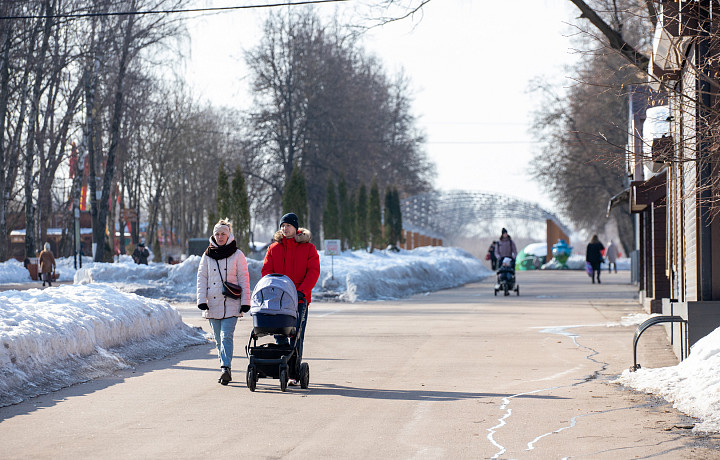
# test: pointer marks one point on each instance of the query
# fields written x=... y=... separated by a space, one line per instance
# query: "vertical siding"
x=689 y=183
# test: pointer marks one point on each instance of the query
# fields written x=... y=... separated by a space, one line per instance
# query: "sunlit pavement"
x=459 y=373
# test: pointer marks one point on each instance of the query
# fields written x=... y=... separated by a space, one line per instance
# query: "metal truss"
x=449 y=214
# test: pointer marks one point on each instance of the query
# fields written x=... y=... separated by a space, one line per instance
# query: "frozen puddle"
x=502 y=421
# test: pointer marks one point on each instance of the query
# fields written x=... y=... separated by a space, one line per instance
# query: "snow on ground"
x=693 y=386
x=52 y=338
x=56 y=337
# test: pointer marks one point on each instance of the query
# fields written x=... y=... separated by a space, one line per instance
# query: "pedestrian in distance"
x=222 y=262
x=505 y=247
x=291 y=254
x=140 y=254
x=491 y=254
x=611 y=253
x=593 y=255
x=46 y=259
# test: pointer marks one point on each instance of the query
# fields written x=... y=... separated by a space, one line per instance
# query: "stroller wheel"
x=304 y=376
x=251 y=377
x=495 y=291
x=517 y=290
x=283 y=380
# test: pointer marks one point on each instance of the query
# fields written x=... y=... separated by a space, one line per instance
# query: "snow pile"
x=13 y=271
x=384 y=275
x=693 y=386
x=56 y=337
x=156 y=280
x=352 y=276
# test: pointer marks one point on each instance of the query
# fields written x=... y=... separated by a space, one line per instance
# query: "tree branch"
x=614 y=38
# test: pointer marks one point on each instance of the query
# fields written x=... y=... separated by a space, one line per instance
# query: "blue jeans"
x=224 y=329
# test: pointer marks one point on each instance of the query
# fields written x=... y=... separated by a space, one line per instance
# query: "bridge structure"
x=451 y=215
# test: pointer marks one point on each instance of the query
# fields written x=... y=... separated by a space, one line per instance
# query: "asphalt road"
x=453 y=374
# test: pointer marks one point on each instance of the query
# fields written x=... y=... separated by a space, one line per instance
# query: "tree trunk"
x=4 y=172
x=31 y=140
x=102 y=208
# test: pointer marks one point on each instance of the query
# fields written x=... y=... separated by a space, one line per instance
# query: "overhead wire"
x=173 y=11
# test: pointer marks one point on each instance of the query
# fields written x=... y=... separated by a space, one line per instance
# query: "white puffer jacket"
x=209 y=285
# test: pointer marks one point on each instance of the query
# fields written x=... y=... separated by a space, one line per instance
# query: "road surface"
x=459 y=373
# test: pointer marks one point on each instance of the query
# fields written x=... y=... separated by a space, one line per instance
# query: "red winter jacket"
x=295 y=258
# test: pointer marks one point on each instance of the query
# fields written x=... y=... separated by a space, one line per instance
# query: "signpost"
x=332 y=249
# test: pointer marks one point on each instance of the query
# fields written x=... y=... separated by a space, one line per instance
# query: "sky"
x=68 y=334
x=469 y=63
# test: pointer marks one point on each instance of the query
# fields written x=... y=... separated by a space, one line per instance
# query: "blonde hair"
x=223 y=222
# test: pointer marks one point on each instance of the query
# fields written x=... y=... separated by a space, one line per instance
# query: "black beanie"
x=290 y=218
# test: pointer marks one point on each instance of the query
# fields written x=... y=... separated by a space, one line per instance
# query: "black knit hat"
x=290 y=218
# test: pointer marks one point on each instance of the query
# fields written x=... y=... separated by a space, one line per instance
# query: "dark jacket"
x=140 y=255
x=593 y=254
x=295 y=258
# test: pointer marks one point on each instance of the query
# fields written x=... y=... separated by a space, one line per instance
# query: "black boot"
x=225 y=377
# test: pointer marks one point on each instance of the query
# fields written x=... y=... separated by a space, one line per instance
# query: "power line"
x=188 y=10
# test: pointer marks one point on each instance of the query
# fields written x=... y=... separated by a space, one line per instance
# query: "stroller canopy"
x=274 y=294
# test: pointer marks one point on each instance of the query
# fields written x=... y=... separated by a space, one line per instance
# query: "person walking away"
x=612 y=254
x=493 y=258
x=505 y=247
x=222 y=262
x=291 y=254
x=140 y=254
x=46 y=259
x=593 y=255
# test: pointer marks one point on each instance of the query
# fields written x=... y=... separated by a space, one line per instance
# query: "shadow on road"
x=408 y=395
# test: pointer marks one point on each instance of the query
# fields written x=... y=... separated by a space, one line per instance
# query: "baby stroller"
x=274 y=308
x=506 y=277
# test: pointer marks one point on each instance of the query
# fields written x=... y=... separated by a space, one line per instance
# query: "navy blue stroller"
x=275 y=311
x=506 y=281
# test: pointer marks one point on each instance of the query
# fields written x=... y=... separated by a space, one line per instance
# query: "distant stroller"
x=274 y=308
x=506 y=277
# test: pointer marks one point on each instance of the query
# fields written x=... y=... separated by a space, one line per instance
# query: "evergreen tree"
x=361 y=231
x=374 y=217
x=295 y=196
x=397 y=216
x=347 y=218
x=240 y=210
x=331 y=218
x=388 y=219
x=223 y=195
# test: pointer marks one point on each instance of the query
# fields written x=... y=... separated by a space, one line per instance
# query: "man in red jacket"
x=291 y=254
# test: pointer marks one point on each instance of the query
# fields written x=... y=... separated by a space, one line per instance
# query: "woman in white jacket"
x=223 y=261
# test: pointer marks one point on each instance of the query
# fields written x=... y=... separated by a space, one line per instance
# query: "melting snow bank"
x=174 y=283
x=384 y=275
x=693 y=386
x=57 y=337
x=352 y=276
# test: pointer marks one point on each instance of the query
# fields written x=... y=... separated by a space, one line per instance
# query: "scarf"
x=221 y=252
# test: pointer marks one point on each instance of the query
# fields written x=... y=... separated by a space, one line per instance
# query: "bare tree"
x=323 y=104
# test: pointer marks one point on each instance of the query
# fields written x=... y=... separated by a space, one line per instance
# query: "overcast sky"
x=469 y=62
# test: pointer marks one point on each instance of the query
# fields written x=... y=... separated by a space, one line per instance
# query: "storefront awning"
x=644 y=193
x=620 y=198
